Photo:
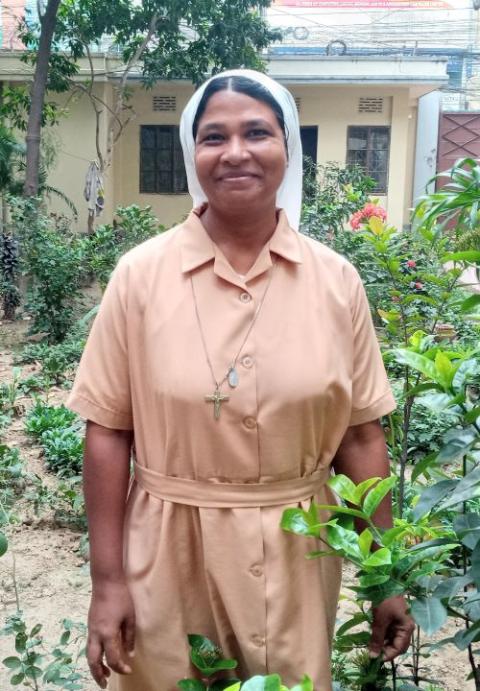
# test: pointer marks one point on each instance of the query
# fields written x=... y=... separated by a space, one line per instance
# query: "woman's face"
x=240 y=154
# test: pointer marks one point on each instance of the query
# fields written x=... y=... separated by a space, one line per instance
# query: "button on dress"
x=203 y=549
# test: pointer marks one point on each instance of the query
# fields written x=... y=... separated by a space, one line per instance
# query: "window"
x=162 y=169
x=369 y=148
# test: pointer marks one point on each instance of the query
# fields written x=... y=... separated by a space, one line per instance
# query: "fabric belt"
x=227 y=495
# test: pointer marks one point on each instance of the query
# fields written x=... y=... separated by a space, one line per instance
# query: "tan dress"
x=204 y=552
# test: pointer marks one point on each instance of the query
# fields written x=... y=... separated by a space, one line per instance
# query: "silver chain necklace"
x=217 y=398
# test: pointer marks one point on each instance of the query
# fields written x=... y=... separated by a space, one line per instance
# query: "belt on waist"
x=228 y=495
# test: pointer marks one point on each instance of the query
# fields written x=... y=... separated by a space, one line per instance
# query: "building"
x=353 y=107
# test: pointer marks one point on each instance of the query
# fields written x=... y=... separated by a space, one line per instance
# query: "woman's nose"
x=235 y=150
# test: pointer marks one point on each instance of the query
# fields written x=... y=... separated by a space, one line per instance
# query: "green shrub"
x=53 y=260
x=106 y=245
x=63 y=450
x=11 y=480
x=58 y=431
x=42 y=418
x=57 y=360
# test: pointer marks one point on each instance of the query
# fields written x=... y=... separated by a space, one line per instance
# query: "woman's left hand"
x=392 y=629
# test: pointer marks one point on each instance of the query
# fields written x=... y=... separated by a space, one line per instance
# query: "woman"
x=241 y=358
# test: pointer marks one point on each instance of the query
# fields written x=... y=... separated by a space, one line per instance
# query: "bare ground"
x=51 y=575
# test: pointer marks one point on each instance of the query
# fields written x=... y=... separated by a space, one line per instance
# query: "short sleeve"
x=101 y=391
x=371 y=393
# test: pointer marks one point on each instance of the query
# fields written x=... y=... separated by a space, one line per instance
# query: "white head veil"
x=289 y=195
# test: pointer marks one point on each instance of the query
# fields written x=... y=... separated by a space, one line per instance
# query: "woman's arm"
x=111 y=619
x=363 y=454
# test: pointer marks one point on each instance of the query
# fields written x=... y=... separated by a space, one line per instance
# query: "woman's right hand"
x=111 y=631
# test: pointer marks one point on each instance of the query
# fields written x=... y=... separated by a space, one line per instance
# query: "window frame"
x=176 y=162
x=369 y=150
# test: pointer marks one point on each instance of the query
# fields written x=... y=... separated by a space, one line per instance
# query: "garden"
x=425 y=308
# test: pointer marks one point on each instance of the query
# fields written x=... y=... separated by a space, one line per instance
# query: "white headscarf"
x=289 y=195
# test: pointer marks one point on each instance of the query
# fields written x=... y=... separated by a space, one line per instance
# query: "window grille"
x=162 y=170
x=369 y=147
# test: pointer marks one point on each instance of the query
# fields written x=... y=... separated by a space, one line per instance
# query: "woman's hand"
x=392 y=629
x=111 y=631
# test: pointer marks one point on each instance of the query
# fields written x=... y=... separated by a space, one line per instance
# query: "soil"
x=51 y=572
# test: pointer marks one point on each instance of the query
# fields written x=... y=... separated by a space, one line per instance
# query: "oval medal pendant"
x=232 y=377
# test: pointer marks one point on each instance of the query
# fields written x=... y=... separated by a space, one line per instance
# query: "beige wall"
x=331 y=108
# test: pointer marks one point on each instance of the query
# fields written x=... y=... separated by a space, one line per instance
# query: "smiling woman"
x=238 y=359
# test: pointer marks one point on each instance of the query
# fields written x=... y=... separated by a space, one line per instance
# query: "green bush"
x=103 y=249
x=52 y=259
x=58 y=431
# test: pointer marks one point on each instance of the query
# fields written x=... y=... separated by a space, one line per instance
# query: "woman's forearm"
x=362 y=455
x=106 y=477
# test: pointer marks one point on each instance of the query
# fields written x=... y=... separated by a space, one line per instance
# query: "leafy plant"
x=35 y=663
x=208 y=659
x=332 y=193
x=53 y=263
x=57 y=429
x=65 y=500
x=11 y=480
x=57 y=360
x=9 y=394
x=104 y=247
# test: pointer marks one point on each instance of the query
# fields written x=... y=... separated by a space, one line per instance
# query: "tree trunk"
x=37 y=98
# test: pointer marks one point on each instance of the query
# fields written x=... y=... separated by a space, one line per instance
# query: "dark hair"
x=242 y=85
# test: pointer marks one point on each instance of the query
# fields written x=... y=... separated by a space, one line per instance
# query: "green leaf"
x=392 y=535
x=470 y=303
x=208 y=657
x=457 y=443
x=336 y=509
x=300 y=522
x=445 y=370
x=270 y=683
x=418 y=362
x=381 y=557
x=431 y=496
x=369 y=579
x=464 y=638
x=467 y=488
x=362 y=488
x=365 y=540
x=343 y=486
x=429 y=614
x=235 y=687
x=343 y=540
x=355 y=620
x=465 y=256
x=3 y=544
x=377 y=494
x=467 y=527
x=191 y=685
x=306 y=684
x=12 y=662
x=449 y=587
x=17 y=679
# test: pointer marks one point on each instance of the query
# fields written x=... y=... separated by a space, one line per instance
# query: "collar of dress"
x=197 y=249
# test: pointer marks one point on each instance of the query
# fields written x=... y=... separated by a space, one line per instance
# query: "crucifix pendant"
x=217 y=398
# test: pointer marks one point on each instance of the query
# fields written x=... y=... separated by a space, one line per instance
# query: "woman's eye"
x=258 y=133
x=213 y=137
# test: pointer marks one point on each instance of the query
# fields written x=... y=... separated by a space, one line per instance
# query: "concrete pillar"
x=426 y=143
x=397 y=169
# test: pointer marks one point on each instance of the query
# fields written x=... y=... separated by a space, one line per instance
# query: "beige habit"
x=204 y=552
